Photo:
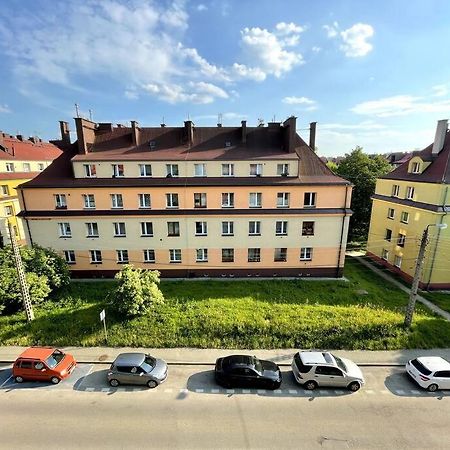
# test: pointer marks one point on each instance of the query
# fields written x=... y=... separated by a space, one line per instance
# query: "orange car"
x=43 y=364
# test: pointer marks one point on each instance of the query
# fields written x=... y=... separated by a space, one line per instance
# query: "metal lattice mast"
x=21 y=274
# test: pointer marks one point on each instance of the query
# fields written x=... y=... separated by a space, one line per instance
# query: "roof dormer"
x=416 y=165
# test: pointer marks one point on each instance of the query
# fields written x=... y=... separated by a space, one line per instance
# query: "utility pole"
x=418 y=273
x=21 y=274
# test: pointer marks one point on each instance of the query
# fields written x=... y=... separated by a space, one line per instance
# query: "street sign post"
x=102 y=318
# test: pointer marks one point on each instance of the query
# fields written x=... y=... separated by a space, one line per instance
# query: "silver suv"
x=313 y=369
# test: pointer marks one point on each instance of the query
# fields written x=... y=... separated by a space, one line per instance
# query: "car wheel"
x=432 y=387
x=114 y=382
x=55 y=380
x=353 y=386
x=18 y=379
x=310 y=385
x=152 y=384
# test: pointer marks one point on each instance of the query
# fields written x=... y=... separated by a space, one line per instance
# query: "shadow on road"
x=401 y=385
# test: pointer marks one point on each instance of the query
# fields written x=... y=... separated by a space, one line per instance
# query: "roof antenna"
x=163 y=124
x=77 y=111
x=260 y=122
x=274 y=118
x=219 y=120
x=90 y=115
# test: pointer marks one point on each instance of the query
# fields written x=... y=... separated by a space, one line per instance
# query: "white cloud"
x=207 y=69
x=4 y=108
x=298 y=101
x=354 y=40
x=252 y=73
x=131 y=94
x=316 y=49
x=201 y=7
x=400 y=105
x=366 y=125
x=441 y=90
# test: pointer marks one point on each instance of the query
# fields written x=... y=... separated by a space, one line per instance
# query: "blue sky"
x=374 y=74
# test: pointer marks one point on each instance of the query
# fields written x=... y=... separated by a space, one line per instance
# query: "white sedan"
x=430 y=372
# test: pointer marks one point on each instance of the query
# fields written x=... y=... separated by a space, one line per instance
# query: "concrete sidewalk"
x=193 y=356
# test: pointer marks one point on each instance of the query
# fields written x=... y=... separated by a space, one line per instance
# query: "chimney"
x=439 y=137
x=289 y=133
x=135 y=133
x=2 y=139
x=33 y=139
x=244 y=131
x=189 y=129
x=19 y=137
x=312 y=135
x=85 y=134
x=65 y=132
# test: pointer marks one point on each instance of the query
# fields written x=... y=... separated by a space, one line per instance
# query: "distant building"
x=20 y=160
x=406 y=201
x=191 y=202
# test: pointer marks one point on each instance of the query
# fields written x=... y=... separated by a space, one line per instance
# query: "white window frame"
x=118 y=170
x=278 y=254
x=306 y=254
x=305 y=229
x=201 y=228
x=228 y=228
x=148 y=255
x=256 y=256
x=69 y=256
x=172 y=200
x=312 y=197
x=228 y=170
x=95 y=256
x=385 y=254
x=415 y=167
x=92 y=229
x=60 y=201
x=10 y=167
x=200 y=200
x=229 y=197
x=145 y=170
x=120 y=229
x=404 y=217
x=172 y=170
x=283 y=170
x=255 y=200
x=200 y=170
x=147 y=229
x=254 y=228
x=90 y=171
x=256 y=169
x=391 y=213
x=5 y=189
x=116 y=201
x=89 y=201
x=145 y=201
x=398 y=261
x=26 y=167
x=395 y=190
x=122 y=257
x=64 y=230
x=410 y=192
x=202 y=255
x=175 y=228
x=175 y=255
x=228 y=258
x=283 y=199
x=281 y=228
x=401 y=239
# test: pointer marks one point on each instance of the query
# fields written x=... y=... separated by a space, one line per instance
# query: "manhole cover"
x=103 y=357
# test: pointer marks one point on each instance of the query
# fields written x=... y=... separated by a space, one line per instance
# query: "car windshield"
x=257 y=363
x=149 y=364
x=340 y=363
x=54 y=359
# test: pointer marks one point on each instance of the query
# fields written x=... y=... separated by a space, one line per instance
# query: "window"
x=308 y=228
x=227 y=170
x=10 y=167
x=145 y=170
x=9 y=211
x=254 y=228
x=281 y=227
x=201 y=228
x=255 y=199
x=92 y=229
x=401 y=240
x=146 y=228
x=388 y=235
x=90 y=170
x=172 y=200
x=328 y=371
x=144 y=201
x=410 y=193
x=227 y=143
x=228 y=200
x=116 y=201
x=89 y=201
x=172 y=170
x=96 y=256
x=227 y=228
x=119 y=229
x=256 y=170
x=254 y=255
x=199 y=200
x=175 y=255
x=149 y=256
x=26 y=167
x=397 y=261
x=122 y=256
x=309 y=200
x=200 y=170
x=117 y=170
x=280 y=255
x=152 y=144
x=5 y=189
x=283 y=200
x=60 y=201
x=306 y=254
x=228 y=255
x=391 y=213
x=64 y=229
x=41 y=166
x=415 y=168
x=395 y=190
x=283 y=170
x=405 y=217
x=202 y=255
x=69 y=255
x=173 y=228
x=442 y=374
x=385 y=254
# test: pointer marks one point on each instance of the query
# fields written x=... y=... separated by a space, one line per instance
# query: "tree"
x=362 y=170
x=137 y=291
x=332 y=166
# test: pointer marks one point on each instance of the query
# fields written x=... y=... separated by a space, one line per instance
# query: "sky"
x=373 y=74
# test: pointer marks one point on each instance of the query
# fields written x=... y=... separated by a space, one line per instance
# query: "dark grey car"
x=137 y=368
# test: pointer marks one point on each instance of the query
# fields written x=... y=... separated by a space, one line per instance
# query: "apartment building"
x=191 y=202
x=412 y=198
x=20 y=160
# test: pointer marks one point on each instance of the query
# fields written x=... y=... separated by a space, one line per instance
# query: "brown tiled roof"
x=437 y=172
x=12 y=148
x=17 y=175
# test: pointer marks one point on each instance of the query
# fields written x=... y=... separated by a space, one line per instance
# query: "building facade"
x=191 y=202
x=20 y=160
x=410 y=199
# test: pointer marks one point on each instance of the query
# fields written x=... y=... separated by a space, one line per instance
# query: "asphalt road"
x=190 y=411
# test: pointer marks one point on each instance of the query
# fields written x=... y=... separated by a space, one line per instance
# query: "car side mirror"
x=43 y=370
x=142 y=373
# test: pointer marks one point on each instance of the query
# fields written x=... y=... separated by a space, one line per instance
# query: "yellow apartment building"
x=191 y=202
x=412 y=198
x=20 y=161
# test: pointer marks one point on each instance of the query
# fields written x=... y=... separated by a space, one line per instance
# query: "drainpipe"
x=26 y=220
x=342 y=231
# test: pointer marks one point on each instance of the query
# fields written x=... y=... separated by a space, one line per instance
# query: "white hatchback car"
x=430 y=372
x=313 y=369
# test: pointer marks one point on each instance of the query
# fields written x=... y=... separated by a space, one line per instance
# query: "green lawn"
x=240 y=314
x=441 y=299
